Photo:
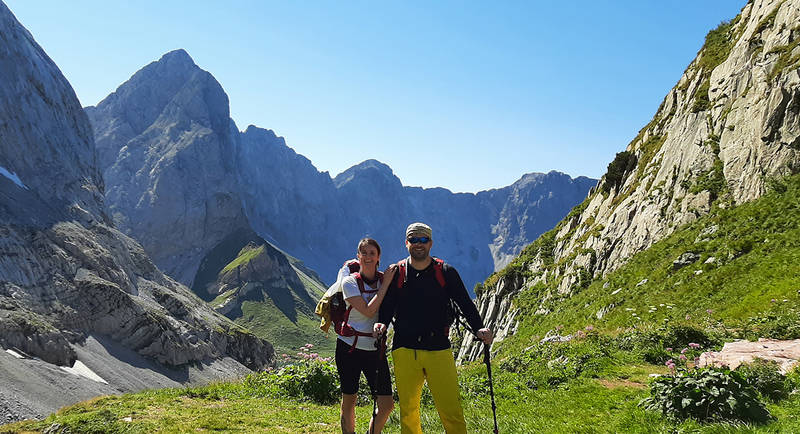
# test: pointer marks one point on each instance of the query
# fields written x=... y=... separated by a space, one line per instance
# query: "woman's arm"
x=370 y=309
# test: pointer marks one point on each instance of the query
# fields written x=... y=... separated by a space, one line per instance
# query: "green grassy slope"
x=746 y=276
x=584 y=405
x=592 y=384
x=280 y=308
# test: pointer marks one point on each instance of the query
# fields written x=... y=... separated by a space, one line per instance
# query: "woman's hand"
x=388 y=276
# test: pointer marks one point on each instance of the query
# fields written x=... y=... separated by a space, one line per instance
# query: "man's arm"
x=458 y=292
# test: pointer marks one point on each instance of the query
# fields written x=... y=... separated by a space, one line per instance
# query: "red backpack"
x=340 y=312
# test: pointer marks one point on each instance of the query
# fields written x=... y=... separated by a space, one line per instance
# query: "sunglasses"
x=418 y=240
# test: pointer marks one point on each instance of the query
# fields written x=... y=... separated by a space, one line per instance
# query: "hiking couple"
x=416 y=294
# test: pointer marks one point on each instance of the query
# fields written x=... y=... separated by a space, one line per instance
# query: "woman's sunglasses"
x=418 y=240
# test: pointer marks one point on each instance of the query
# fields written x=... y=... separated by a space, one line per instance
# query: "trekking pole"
x=491 y=387
x=380 y=344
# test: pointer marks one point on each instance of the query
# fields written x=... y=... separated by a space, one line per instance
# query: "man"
x=421 y=347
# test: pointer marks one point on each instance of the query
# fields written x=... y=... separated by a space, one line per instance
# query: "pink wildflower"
x=669 y=349
x=682 y=358
x=683 y=351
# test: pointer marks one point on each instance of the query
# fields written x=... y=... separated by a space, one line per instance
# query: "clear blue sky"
x=466 y=95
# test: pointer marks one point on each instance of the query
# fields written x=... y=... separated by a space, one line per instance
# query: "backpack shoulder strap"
x=402 y=269
x=359 y=281
x=438 y=267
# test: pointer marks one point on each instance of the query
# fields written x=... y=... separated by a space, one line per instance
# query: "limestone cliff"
x=66 y=274
x=729 y=126
x=166 y=148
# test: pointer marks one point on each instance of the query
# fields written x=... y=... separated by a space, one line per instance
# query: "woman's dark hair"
x=368 y=242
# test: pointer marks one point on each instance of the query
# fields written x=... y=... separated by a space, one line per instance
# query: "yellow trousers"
x=411 y=369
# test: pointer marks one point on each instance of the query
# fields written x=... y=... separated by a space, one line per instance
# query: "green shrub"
x=765 y=376
x=315 y=380
x=780 y=323
x=550 y=364
x=657 y=345
x=623 y=164
x=706 y=395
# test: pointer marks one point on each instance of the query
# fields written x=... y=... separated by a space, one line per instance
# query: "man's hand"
x=484 y=335
x=378 y=329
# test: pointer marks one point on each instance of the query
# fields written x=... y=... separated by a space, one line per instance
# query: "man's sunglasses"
x=418 y=240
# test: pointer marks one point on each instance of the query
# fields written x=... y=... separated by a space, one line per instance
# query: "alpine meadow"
x=160 y=266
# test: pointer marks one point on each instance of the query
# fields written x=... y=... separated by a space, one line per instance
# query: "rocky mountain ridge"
x=152 y=187
x=167 y=154
x=728 y=128
x=68 y=277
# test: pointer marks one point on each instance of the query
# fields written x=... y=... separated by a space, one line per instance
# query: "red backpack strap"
x=401 y=272
x=359 y=281
x=438 y=266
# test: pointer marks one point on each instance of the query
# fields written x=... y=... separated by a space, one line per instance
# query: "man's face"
x=416 y=248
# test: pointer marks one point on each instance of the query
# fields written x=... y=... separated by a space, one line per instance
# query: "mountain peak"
x=177 y=57
x=371 y=166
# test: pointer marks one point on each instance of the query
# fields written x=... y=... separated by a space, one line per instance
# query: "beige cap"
x=419 y=229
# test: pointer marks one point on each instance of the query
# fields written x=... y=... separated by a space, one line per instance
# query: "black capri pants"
x=350 y=365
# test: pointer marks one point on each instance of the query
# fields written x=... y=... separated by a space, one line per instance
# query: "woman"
x=357 y=354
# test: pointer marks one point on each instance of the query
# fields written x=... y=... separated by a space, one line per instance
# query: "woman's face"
x=368 y=257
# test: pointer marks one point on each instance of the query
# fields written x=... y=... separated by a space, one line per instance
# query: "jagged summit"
x=263 y=135
x=166 y=145
x=372 y=168
x=288 y=201
x=177 y=57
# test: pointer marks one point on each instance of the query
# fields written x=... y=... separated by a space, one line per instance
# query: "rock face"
x=528 y=208
x=320 y=220
x=290 y=203
x=66 y=274
x=166 y=147
x=785 y=353
x=730 y=125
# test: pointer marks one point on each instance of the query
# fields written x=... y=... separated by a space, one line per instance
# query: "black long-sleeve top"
x=419 y=308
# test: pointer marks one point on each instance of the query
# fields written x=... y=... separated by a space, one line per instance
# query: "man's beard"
x=418 y=255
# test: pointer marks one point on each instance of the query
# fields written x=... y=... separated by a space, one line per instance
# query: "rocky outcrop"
x=785 y=353
x=65 y=272
x=730 y=125
x=166 y=146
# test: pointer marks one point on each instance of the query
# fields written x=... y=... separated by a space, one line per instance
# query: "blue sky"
x=466 y=95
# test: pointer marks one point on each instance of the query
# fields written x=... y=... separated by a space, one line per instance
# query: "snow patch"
x=80 y=369
x=13 y=177
x=15 y=354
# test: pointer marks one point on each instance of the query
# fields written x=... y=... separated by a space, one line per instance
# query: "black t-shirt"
x=420 y=308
